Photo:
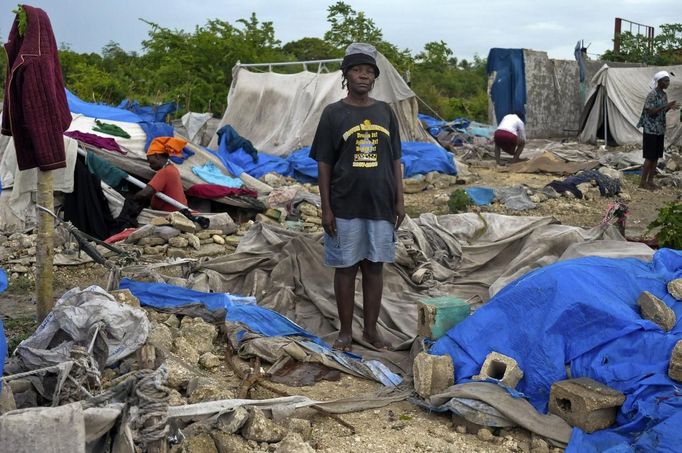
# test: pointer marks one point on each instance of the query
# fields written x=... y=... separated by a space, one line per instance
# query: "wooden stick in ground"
x=250 y=380
x=44 y=247
x=146 y=358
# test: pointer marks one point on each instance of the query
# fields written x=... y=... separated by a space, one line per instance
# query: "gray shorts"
x=359 y=239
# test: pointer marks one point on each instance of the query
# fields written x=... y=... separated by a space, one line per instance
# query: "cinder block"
x=585 y=403
x=438 y=315
x=675 y=366
x=502 y=368
x=655 y=310
x=432 y=373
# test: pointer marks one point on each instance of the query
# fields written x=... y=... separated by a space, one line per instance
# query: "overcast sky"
x=468 y=27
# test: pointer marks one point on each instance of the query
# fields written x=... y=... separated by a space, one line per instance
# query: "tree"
x=348 y=26
x=666 y=48
x=307 y=49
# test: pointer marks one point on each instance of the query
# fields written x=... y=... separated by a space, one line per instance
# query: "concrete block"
x=655 y=310
x=432 y=373
x=222 y=222
x=124 y=296
x=675 y=288
x=675 y=366
x=585 y=403
x=502 y=368
x=437 y=315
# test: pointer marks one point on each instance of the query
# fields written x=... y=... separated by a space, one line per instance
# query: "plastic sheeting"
x=242 y=310
x=508 y=91
x=76 y=315
x=100 y=111
x=150 y=113
x=620 y=93
x=583 y=314
x=279 y=113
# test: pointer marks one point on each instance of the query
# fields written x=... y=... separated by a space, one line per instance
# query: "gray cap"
x=363 y=48
x=360 y=53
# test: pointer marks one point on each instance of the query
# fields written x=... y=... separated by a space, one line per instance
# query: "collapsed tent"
x=279 y=113
x=579 y=318
x=616 y=100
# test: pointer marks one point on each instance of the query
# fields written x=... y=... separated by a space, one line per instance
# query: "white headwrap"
x=658 y=76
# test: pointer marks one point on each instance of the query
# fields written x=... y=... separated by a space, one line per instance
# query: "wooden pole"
x=44 y=246
x=146 y=359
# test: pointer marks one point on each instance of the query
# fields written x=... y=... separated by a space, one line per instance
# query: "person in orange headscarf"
x=167 y=178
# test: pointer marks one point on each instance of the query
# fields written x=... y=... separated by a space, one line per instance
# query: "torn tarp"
x=260 y=320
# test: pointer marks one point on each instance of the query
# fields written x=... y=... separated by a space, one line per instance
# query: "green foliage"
x=307 y=49
x=666 y=49
x=23 y=19
x=459 y=201
x=669 y=222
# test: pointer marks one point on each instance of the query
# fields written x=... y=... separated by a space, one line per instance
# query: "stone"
x=175 y=398
x=414 y=185
x=293 y=443
x=159 y=221
x=432 y=374
x=182 y=223
x=261 y=218
x=155 y=250
x=199 y=334
x=218 y=239
x=207 y=390
x=179 y=242
x=568 y=194
x=174 y=252
x=655 y=310
x=193 y=241
x=210 y=250
x=675 y=365
x=309 y=209
x=210 y=361
x=205 y=234
x=222 y=222
x=675 y=288
x=625 y=196
x=485 y=435
x=259 y=428
x=313 y=220
x=585 y=403
x=300 y=426
x=166 y=232
x=6 y=399
x=151 y=241
x=232 y=421
x=184 y=349
x=140 y=233
x=178 y=375
x=124 y=296
x=441 y=199
x=501 y=368
x=206 y=241
x=274 y=214
x=20 y=269
x=161 y=335
x=172 y=322
x=200 y=443
x=538 y=446
x=611 y=173
x=230 y=443
x=233 y=240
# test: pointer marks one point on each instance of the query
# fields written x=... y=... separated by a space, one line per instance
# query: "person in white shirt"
x=510 y=137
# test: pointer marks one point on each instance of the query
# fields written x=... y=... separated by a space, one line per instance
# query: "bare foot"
x=343 y=343
x=376 y=341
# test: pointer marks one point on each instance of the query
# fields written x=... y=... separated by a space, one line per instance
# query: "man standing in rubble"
x=357 y=149
x=652 y=120
x=510 y=136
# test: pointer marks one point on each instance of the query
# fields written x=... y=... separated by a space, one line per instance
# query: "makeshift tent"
x=617 y=98
x=279 y=113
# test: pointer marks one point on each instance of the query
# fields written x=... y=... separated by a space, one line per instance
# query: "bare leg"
x=652 y=174
x=517 y=153
x=344 y=290
x=497 y=155
x=372 y=288
x=644 y=179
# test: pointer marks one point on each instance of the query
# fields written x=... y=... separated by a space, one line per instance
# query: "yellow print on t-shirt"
x=366 y=141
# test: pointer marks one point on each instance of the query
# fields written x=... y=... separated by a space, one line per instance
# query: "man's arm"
x=145 y=195
x=324 y=182
x=399 y=199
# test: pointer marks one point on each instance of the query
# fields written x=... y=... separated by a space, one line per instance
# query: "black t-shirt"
x=361 y=144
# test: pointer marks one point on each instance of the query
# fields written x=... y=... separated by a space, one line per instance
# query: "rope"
x=152 y=402
x=429 y=107
x=83 y=377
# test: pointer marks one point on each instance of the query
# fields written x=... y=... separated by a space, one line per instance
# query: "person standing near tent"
x=652 y=121
x=357 y=149
x=510 y=136
x=167 y=178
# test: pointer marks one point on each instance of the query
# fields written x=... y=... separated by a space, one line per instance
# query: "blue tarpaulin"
x=583 y=313
x=100 y=111
x=481 y=196
x=149 y=113
x=244 y=310
x=508 y=91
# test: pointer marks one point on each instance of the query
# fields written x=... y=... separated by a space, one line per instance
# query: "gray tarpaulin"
x=464 y=255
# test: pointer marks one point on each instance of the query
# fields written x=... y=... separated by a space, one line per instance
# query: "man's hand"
x=329 y=222
x=399 y=215
x=673 y=105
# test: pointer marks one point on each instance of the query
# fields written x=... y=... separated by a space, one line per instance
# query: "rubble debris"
x=182 y=223
x=501 y=368
x=198 y=333
x=261 y=429
x=126 y=297
x=585 y=403
x=656 y=311
x=232 y=421
x=293 y=443
x=210 y=361
x=200 y=443
x=230 y=443
x=432 y=373
x=675 y=288
x=675 y=365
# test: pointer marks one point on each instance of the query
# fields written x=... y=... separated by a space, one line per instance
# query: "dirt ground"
x=399 y=427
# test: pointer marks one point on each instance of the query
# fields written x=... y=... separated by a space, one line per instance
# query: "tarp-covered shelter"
x=617 y=97
x=279 y=113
